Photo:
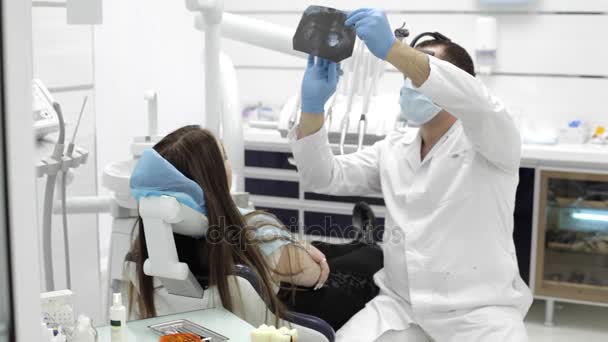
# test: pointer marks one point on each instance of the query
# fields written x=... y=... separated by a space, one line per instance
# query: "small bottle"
x=118 y=319
x=84 y=332
x=60 y=337
x=50 y=334
x=44 y=331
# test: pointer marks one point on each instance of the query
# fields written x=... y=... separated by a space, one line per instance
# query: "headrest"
x=154 y=176
x=183 y=219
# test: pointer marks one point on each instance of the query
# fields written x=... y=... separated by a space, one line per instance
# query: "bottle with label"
x=118 y=319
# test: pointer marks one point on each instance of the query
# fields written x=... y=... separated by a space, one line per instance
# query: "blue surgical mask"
x=416 y=108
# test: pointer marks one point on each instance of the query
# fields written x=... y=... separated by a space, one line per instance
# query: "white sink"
x=116 y=177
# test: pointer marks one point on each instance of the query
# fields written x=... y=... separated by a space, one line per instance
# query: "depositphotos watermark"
x=329 y=231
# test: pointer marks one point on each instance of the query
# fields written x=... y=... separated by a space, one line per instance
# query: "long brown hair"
x=196 y=153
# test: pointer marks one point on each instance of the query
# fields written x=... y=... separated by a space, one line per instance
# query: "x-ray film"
x=322 y=33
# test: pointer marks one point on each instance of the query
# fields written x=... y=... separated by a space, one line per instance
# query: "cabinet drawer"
x=273 y=188
x=273 y=160
x=344 y=199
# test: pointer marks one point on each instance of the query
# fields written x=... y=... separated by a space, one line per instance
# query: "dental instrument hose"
x=342 y=81
x=64 y=190
x=47 y=214
x=375 y=68
x=330 y=110
x=64 y=218
x=355 y=82
x=362 y=126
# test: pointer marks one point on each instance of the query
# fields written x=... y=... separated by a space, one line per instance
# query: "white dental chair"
x=180 y=291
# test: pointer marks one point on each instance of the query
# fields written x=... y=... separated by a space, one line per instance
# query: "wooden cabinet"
x=572 y=236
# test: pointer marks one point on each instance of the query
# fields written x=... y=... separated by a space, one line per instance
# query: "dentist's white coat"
x=450 y=264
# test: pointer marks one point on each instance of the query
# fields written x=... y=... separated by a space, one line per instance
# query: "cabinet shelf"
x=575 y=203
x=568 y=248
x=575 y=286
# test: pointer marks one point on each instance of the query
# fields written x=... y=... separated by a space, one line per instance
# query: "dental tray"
x=185 y=326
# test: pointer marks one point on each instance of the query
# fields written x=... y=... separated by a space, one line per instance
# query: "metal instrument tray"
x=185 y=326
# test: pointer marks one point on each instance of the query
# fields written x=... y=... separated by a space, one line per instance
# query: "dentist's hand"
x=319 y=84
x=373 y=28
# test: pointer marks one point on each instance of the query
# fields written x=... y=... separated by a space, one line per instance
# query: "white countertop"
x=578 y=156
x=218 y=320
x=587 y=156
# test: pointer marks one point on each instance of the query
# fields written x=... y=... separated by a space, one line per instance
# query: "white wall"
x=63 y=60
x=143 y=45
x=549 y=62
x=151 y=44
x=544 y=47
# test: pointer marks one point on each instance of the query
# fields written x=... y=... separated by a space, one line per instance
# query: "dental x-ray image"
x=322 y=33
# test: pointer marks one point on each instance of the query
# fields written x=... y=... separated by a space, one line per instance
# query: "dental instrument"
x=45 y=118
x=402 y=32
x=72 y=142
x=47 y=214
x=64 y=212
x=363 y=86
x=293 y=119
x=330 y=110
x=342 y=87
x=59 y=161
x=357 y=57
x=374 y=66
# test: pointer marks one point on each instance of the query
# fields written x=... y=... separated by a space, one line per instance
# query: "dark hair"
x=196 y=153
x=451 y=52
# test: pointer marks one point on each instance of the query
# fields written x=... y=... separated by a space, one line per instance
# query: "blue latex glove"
x=373 y=28
x=319 y=84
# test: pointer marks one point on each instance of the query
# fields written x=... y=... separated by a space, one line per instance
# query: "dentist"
x=450 y=267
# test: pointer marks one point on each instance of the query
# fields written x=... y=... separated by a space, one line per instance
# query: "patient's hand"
x=320 y=259
x=299 y=266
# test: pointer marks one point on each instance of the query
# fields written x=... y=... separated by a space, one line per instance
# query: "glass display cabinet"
x=572 y=241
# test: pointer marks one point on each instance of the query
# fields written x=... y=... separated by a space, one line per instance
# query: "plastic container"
x=118 y=319
x=84 y=331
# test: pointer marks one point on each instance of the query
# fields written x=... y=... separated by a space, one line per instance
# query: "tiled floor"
x=573 y=323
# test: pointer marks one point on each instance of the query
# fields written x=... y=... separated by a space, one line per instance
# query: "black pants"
x=349 y=287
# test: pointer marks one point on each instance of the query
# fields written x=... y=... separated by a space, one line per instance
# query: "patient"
x=330 y=281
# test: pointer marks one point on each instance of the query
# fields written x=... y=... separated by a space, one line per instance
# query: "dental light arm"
x=222 y=102
x=254 y=32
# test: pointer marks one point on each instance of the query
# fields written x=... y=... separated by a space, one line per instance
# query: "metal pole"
x=549 y=312
x=213 y=101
